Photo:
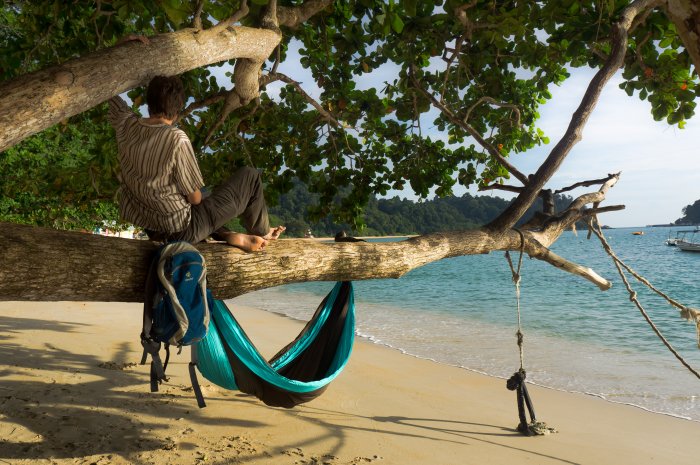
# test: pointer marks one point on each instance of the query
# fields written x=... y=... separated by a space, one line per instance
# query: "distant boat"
x=638 y=233
x=687 y=245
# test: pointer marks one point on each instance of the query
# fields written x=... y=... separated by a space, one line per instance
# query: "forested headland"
x=691 y=214
x=395 y=215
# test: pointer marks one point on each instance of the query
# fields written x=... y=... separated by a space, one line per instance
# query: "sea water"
x=462 y=312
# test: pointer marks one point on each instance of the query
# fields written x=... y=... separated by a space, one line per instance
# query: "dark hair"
x=165 y=95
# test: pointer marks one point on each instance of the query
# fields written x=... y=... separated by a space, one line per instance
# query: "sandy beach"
x=71 y=392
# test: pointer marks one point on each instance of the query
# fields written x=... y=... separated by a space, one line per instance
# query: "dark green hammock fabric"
x=299 y=372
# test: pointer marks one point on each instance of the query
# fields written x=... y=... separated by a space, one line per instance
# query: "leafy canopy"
x=490 y=63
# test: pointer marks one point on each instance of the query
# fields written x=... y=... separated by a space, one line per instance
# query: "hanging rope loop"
x=516 y=280
x=517 y=381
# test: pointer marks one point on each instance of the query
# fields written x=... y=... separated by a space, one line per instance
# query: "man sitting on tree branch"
x=161 y=184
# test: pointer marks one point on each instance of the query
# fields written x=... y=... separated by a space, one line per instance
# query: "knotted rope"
x=517 y=381
x=686 y=312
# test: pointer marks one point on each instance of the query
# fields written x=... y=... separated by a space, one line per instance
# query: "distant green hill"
x=691 y=214
x=394 y=216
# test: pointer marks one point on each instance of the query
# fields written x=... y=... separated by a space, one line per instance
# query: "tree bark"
x=685 y=15
x=47 y=265
x=31 y=103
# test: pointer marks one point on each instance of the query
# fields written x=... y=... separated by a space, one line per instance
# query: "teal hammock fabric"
x=297 y=373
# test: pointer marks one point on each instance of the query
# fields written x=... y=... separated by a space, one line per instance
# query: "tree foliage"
x=489 y=65
x=691 y=214
x=64 y=178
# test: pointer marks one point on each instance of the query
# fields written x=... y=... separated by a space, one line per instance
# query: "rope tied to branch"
x=689 y=314
x=517 y=381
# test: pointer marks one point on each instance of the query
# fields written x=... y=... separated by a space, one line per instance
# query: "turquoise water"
x=462 y=312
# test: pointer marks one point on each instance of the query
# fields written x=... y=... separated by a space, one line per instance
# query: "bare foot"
x=246 y=242
x=274 y=233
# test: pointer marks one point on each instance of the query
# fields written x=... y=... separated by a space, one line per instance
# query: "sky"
x=659 y=163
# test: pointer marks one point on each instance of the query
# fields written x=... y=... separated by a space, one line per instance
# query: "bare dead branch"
x=294 y=16
x=587 y=212
x=576 y=210
x=502 y=187
x=540 y=252
x=592 y=182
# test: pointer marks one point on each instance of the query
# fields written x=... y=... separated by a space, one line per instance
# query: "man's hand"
x=195 y=198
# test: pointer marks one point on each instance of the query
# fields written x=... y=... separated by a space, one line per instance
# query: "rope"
x=619 y=264
x=516 y=281
x=517 y=381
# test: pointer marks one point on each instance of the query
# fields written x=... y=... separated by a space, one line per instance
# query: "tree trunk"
x=31 y=103
x=47 y=265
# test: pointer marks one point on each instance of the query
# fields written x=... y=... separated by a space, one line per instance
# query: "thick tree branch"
x=574 y=132
x=116 y=268
x=294 y=16
x=33 y=102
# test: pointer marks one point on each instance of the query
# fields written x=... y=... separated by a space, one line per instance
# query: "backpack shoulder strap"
x=193 y=378
x=149 y=345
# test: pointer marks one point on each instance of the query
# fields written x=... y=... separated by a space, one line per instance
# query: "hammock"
x=299 y=372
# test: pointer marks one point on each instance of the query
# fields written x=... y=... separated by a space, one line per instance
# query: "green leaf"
x=666 y=42
x=396 y=23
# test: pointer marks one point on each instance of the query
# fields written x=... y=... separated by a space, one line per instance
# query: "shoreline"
x=71 y=390
x=371 y=340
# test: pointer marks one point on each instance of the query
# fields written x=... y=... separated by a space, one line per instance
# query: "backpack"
x=176 y=307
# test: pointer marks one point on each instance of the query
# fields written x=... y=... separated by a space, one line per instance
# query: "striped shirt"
x=158 y=171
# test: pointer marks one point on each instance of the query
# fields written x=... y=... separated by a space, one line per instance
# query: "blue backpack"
x=176 y=305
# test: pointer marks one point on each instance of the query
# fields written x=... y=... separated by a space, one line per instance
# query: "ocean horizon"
x=462 y=312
